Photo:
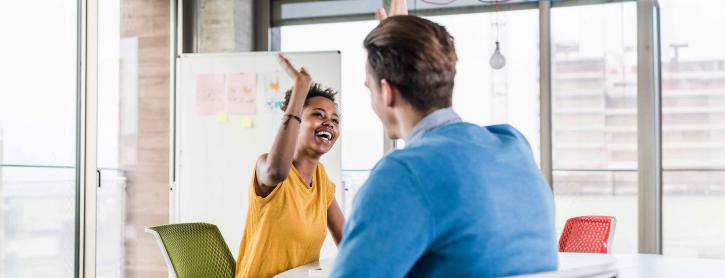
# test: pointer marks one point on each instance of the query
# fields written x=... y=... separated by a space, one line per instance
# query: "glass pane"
x=359 y=124
x=38 y=96
x=505 y=98
x=693 y=128
x=133 y=136
x=110 y=209
x=37 y=236
x=353 y=180
x=110 y=251
x=510 y=95
x=594 y=124
x=38 y=88
x=328 y=8
x=361 y=131
x=291 y=10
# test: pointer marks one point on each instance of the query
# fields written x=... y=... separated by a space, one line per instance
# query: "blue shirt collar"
x=433 y=120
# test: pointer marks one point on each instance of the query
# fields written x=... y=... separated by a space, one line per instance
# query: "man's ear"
x=388 y=93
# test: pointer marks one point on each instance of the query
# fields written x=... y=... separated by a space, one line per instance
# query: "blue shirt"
x=459 y=201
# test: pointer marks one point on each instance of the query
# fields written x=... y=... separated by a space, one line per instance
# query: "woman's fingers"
x=380 y=14
x=301 y=77
x=287 y=66
x=304 y=72
x=304 y=77
x=398 y=7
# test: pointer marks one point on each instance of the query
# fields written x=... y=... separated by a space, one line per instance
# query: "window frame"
x=269 y=19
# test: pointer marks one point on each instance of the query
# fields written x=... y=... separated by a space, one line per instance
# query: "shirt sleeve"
x=390 y=226
x=330 y=194
x=328 y=186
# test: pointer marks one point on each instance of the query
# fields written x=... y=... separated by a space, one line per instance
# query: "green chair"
x=194 y=250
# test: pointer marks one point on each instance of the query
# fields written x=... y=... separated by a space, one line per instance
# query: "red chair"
x=587 y=234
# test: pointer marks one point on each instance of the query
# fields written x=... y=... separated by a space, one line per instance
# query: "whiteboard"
x=220 y=134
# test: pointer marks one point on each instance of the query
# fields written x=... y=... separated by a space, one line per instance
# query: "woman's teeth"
x=324 y=135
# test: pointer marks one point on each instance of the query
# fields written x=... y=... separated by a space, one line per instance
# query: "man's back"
x=462 y=200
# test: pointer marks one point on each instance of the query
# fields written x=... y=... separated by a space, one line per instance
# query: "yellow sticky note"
x=222 y=117
x=247 y=122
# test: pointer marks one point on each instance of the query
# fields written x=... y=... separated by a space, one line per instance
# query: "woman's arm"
x=274 y=167
x=335 y=221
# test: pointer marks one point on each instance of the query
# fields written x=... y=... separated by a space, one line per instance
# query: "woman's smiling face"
x=320 y=126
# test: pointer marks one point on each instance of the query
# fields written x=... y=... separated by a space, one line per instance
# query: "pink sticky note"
x=209 y=93
x=242 y=93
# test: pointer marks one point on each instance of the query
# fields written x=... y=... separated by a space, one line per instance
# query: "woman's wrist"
x=295 y=107
x=288 y=117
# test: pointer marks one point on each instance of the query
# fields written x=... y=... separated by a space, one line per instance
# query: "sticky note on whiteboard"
x=222 y=117
x=247 y=122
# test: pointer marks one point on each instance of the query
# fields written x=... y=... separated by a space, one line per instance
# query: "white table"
x=634 y=265
x=648 y=265
x=316 y=269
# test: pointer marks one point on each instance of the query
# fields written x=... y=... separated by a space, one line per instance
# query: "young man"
x=460 y=200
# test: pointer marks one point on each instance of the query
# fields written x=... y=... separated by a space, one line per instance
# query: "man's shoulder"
x=462 y=132
x=503 y=130
x=499 y=133
x=466 y=128
x=452 y=139
x=471 y=128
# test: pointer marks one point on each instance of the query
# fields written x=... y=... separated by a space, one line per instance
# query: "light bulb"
x=497 y=61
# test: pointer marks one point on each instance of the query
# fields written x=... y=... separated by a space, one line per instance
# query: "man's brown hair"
x=417 y=57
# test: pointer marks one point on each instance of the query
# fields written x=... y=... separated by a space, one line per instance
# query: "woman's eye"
x=336 y=121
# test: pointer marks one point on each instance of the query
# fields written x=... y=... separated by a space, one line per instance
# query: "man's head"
x=320 y=125
x=411 y=64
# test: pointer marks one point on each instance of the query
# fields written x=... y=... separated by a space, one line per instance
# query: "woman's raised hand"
x=397 y=7
x=301 y=78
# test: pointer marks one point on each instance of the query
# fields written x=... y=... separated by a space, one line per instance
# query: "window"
x=482 y=95
x=485 y=96
x=133 y=136
x=594 y=116
x=693 y=128
x=362 y=133
x=38 y=95
x=115 y=138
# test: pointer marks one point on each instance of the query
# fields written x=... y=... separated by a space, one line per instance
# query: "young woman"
x=291 y=199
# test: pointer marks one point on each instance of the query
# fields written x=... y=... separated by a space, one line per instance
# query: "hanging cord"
x=498 y=8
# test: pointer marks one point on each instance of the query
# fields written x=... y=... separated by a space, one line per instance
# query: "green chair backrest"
x=194 y=250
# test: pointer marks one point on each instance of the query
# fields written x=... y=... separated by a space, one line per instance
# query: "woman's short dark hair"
x=316 y=90
x=417 y=57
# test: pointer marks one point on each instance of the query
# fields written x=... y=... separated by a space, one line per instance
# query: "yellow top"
x=286 y=229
